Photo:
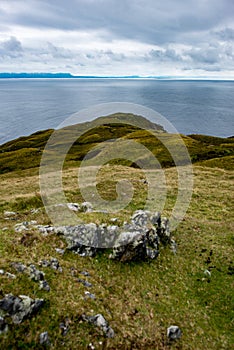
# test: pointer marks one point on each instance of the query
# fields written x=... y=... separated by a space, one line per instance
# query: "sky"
x=187 y=38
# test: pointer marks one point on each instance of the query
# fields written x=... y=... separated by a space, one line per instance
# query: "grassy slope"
x=139 y=300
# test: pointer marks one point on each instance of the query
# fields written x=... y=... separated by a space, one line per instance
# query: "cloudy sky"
x=118 y=37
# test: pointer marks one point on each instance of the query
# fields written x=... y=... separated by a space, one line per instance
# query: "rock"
x=85 y=283
x=10 y=275
x=64 y=326
x=19 y=307
x=86 y=207
x=60 y=251
x=44 y=339
x=21 y=227
x=99 y=321
x=173 y=333
x=53 y=264
x=143 y=246
x=18 y=266
x=207 y=273
x=140 y=218
x=45 y=230
x=85 y=273
x=44 y=285
x=35 y=274
x=2 y=272
x=3 y=326
x=89 y=295
x=9 y=213
x=137 y=240
x=173 y=246
x=73 y=206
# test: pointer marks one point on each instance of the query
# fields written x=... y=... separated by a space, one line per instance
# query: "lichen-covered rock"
x=99 y=321
x=19 y=307
x=137 y=240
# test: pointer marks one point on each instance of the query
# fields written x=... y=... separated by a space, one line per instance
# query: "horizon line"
x=67 y=75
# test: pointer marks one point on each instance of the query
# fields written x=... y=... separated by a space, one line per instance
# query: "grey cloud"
x=165 y=55
x=11 y=48
x=226 y=34
x=148 y=21
x=209 y=56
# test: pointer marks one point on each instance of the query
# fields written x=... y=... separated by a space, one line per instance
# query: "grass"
x=139 y=300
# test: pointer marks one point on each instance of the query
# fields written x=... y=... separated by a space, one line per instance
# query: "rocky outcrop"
x=140 y=239
x=19 y=307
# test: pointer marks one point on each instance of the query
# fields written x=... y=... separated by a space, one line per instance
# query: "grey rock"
x=45 y=230
x=60 y=251
x=173 y=333
x=3 y=326
x=64 y=327
x=86 y=207
x=73 y=206
x=10 y=275
x=35 y=274
x=140 y=218
x=144 y=246
x=207 y=273
x=44 y=285
x=18 y=266
x=85 y=283
x=44 y=339
x=85 y=273
x=9 y=213
x=53 y=263
x=19 y=307
x=99 y=321
x=21 y=227
x=89 y=295
x=2 y=272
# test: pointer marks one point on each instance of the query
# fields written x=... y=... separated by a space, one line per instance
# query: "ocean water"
x=201 y=107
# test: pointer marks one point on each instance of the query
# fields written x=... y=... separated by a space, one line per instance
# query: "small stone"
x=86 y=207
x=60 y=251
x=85 y=273
x=89 y=295
x=54 y=264
x=85 y=283
x=207 y=273
x=174 y=333
x=3 y=326
x=99 y=321
x=35 y=274
x=64 y=326
x=44 y=285
x=9 y=213
x=44 y=339
x=18 y=266
x=2 y=272
x=10 y=275
x=73 y=206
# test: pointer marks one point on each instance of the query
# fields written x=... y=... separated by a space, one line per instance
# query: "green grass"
x=139 y=300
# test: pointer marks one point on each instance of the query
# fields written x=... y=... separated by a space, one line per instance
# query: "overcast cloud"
x=124 y=37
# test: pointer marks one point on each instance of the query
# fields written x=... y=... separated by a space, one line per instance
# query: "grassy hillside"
x=139 y=300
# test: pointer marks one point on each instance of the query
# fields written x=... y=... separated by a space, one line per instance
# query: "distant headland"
x=62 y=75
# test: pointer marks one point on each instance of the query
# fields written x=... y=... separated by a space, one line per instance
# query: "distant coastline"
x=62 y=75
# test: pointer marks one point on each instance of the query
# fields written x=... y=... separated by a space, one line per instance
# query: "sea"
x=191 y=106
